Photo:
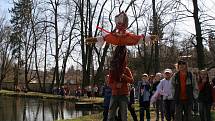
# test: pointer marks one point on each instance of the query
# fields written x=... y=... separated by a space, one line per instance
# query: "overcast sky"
x=4 y=6
x=186 y=27
x=7 y=4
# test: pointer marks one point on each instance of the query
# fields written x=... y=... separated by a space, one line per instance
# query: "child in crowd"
x=144 y=97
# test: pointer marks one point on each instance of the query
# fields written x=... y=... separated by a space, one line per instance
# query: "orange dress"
x=122 y=39
x=125 y=38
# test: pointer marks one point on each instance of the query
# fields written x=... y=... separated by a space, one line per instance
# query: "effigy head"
x=121 y=21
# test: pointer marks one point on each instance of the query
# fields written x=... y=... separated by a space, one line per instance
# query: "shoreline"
x=95 y=100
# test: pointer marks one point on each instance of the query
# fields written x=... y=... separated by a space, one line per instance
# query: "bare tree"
x=159 y=23
x=200 y=19
x=199 y=46
x=6 y=58
x=114 y=7
x=70 y=47
x=86 y=26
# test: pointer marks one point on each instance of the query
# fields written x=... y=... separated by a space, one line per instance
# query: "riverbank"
x=99 y=117
x=85 y=100
x=97 y=100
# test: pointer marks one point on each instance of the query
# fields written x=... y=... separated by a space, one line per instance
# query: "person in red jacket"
x=184 y=91
x=119 y=78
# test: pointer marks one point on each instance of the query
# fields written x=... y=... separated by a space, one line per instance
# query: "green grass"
x=93 y=117
x=99 y=117
x=29 y=94
x=213 y=116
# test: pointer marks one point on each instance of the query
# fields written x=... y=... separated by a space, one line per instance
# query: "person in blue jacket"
x=107 y=92
x=144 y=97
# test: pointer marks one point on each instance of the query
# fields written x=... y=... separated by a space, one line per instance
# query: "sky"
x=186 y=27
x=189 y=26
x=4 y=6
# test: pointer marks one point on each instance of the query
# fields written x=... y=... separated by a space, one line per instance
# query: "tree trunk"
x=55 y=7
x=199 y=46
x=101 y=65
x=155 y=32
x=83 y=54
x=45 y=62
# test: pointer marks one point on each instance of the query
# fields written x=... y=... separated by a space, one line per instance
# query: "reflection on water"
x=33 y=109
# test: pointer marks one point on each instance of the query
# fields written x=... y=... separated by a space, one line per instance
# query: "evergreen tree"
x=20 y=20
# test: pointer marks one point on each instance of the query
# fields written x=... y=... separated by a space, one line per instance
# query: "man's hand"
x=91 y=40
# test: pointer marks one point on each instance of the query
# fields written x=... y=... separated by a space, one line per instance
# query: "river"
x=36 y=109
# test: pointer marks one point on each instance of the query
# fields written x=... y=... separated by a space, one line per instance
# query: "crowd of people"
x=175 y=96
x=91 y=91
x=172 y=94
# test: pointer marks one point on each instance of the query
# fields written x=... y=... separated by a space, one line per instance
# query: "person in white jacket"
x=164 y=88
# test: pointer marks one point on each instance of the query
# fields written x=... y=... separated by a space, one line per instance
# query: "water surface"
x=34 y=109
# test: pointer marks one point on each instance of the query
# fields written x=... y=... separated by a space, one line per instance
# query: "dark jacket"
x=132 y=96
x=145 y=96
x=190 y=85
x=205 y=95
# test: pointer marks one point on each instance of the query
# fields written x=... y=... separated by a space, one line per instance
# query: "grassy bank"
x=93 y=117
x=99 y=117
x=50 y=96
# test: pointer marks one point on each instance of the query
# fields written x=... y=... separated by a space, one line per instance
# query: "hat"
x=158 y=74
x=167 y=71
x=145 y=75
x=152 y=75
